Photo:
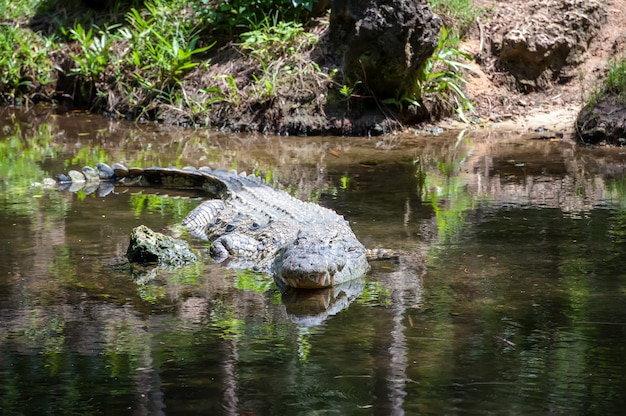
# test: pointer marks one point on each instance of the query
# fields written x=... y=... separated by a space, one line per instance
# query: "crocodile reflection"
x=312 y=307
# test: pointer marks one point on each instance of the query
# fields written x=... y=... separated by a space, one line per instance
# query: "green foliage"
x=280 y=48
x=272 y=38
x=144 y=61
x=615 y=82
x=230 y=16
x=440 y=80
x=458 y=14
x=442 y=76
x=93 y=58
x=94 y=54
x=161 y=46
x=346 y=91
x=25 y=64
x=23 y=9
x=229 y=93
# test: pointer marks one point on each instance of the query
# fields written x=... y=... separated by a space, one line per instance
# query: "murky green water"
x=522 y=308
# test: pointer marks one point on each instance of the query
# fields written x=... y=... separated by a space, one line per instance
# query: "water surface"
x=521 y=308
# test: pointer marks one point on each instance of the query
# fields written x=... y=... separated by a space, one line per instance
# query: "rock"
x=549 y=43
x=383 y=43
x=604 y=122
x=147 y=246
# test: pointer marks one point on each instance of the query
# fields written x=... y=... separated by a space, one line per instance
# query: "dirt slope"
x=555 y=106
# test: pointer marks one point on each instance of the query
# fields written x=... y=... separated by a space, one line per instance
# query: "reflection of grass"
x=150 y=292
x=223 y=319
x=375 y=294
x=256 y=282
x=616 y=188
x=162 y=204
x=441 y=186
x=450 y=202
x=20 y=156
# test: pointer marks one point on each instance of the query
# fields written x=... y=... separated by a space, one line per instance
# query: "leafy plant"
x=442 y=76
x=93 y=58
x=272 y=38
x=230 y=94
x=347 y=91
x=235 y=16
x=25 y=64
x=440 y=80
x=94 y=55
x=458 y=14
x=161 y=48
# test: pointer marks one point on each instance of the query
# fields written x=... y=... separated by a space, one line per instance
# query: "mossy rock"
x=147 y=246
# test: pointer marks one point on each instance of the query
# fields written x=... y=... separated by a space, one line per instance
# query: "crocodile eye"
x=230 y=228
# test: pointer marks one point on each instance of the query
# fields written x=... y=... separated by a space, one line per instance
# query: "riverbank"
x=280 y=77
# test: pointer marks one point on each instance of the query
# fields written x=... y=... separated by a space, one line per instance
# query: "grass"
x=615 y=82
x=137 y=61
x=439 y=81
x=613 y=85
x=272 y=38
x=457 y=14
x=25 y=67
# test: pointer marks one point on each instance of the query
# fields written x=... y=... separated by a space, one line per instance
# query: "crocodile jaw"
x=315 y=264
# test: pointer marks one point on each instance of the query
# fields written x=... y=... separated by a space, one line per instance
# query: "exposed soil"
x=297 y=93
x=550 y=103
x=554 y=106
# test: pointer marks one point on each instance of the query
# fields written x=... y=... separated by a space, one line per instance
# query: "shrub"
x=236 y=16
x=25 y=65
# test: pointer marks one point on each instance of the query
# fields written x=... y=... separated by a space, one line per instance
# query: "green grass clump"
x=615 y=82
x=459 y=15
x=276 y=38
x=237 y=16
x=137 y=64
x=18 y=10
x=439 y=81
x=25 y=65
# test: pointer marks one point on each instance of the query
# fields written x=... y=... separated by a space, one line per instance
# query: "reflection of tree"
x=390 y=350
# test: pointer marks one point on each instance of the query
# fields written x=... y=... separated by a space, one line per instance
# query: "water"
x=521 y=309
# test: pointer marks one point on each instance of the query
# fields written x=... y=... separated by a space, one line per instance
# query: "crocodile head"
x=320 y=258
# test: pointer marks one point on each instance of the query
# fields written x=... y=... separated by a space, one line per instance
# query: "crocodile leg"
x=202 y=217
x=236 y=245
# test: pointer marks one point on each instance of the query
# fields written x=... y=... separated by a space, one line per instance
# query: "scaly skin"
x=252 y=225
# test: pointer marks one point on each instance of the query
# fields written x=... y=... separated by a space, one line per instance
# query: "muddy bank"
x=534 y=64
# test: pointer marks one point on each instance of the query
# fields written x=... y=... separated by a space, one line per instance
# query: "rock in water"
x=603 y=121
x=383 y=43
x=147 y=246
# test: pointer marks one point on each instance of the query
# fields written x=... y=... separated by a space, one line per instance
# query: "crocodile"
x=250 y=224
